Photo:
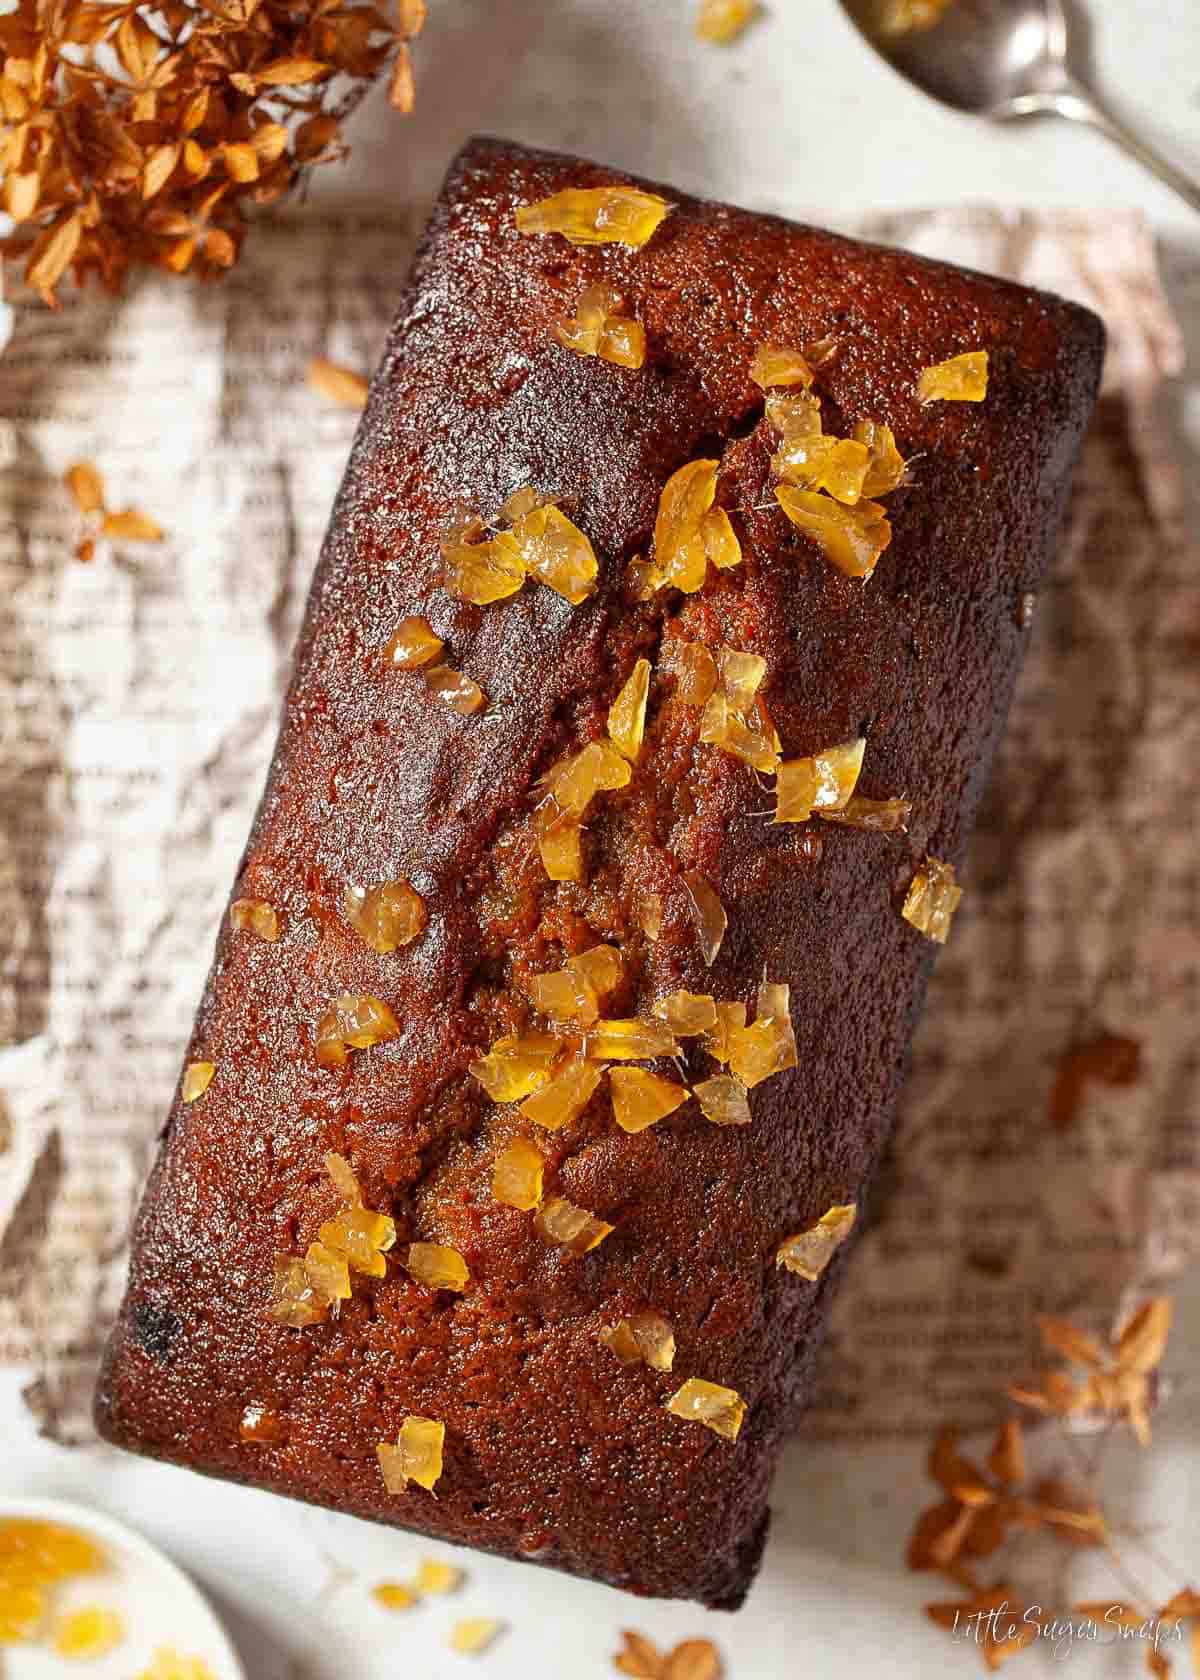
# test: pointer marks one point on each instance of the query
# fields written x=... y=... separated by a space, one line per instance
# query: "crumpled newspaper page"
x=138 y=707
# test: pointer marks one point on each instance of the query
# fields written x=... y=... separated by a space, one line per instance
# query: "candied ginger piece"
x=615 y=215
x=361 y=1238
x=256 y=915
x=353 y=1023
x=460 y=692
x=904 y=17
x=696 y=674
x=556 y=551
x=933 y=897
x=642 y=1339
x=887 y=467
x=640 y=1097
x=482 y=572
x=962 y=379
x=679 y=547
x=386 y=917
x=622 y=342
x=721 y=546
x=413 y=644
x=516 y=1065
x=633 y=1040
x=720 y=1409
x=708 y=914
x=517 y=1175
x=598 y=329
x=717 y=1041
x=723 y=1100
x=89 y=1633
x=643 y=578
x=807 y=457
x=435 y=1578
x=474 y=1634
x=824 y=782
x=394 y=1595
x=741 y=676
x=687 y=1013
x=809 y=1252
x=261 y=1426
x=851 y=538
x=566 y=1095
x=769 y=1046
x=600 y=966
x=575 y=781
x=561 y=1222
x=884 y=816
x=776 y=364
x=329 y=1273
x=437 y=1267
x=416 y=1457
x=650 y=915
x=627 y=714
x=197 y=1077
x=565 y=995
x=560 y=842
x=722 y=21
x=296 y=1301
x=344 y=1179
x=721 y=726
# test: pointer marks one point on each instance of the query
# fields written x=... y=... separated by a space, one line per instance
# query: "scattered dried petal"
x=474 y=1634
x=631 y=1040
x=413 y=645
x=435 y=1578
x=688 y=1013
x=880 y=816
x=86 y=487
x=394 y=1595
x=341 y=385
x=696 y=674
x=132 y=525
x=718 y=1041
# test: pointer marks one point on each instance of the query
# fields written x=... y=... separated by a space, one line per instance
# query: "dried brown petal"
x=86 y=486
x=693 y=1659
x=1060 y=1336
x=401 y=88
x=132 y=525
x=1143 y=1341
x=340 y=384
x=640 y=1657
x=1006 y=1461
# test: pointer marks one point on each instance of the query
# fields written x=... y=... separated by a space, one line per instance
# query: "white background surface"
x=797 y=116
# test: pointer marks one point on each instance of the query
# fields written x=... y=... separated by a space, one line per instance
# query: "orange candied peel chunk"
x=634 y=1039
x=720 y=1409
x=719 y=1038
x=437 y=1267
x=961 y=379
x=565 y=1096
x=723 y=1100
x=89 y=1633
x=687 y=1013
x=416 y=1457
x=413 y=644
x=809 y=1252
x=627 y=714
x=708 y=914
x=824 y=782
x=197 y=1077
x=353 y=1022
x=560 y=1221
x=777 y=364
x=644 y=1338
x=769 y=1046
x=458 y=691
x=851 y=538
x=640 y=1098
x=517 y=1175
x=882 y=816
x=613 y=215
x=387 y=916
x=933 y=897
x=599 y=329
x=516 y=1065
x=722 y=21
x=256 y=915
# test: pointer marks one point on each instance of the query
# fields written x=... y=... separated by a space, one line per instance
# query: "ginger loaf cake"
x=664 y=629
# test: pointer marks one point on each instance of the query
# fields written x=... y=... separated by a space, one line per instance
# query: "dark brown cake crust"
x=554 y=1450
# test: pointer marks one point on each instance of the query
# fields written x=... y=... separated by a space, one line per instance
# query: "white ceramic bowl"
x=155 y=1600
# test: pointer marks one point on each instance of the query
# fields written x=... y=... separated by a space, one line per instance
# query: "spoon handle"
x=1077 y=103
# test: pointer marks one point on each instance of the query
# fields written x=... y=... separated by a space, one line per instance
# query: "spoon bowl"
x=1002 y=59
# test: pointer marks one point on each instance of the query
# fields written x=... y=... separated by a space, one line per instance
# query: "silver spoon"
x=1003 y=58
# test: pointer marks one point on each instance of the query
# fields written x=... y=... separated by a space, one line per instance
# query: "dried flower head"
x=691 y=1659
x=1120 y=1381
x=144 y=134
x=86 y=489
